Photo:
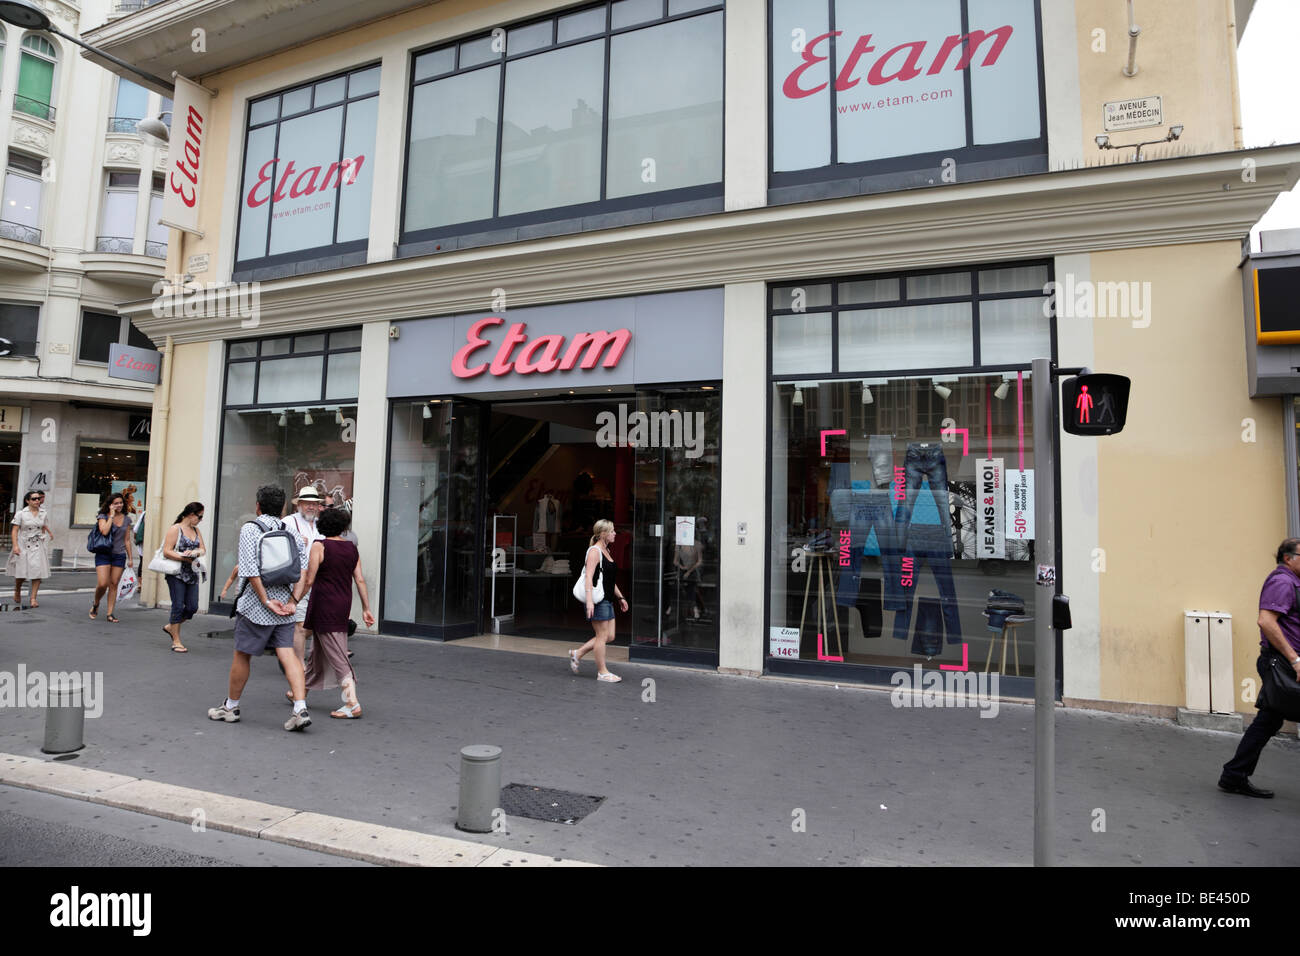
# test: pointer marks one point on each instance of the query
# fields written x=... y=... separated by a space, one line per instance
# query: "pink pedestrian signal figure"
x=1083 y=404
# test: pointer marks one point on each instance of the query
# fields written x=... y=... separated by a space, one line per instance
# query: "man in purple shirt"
x=1279 y=628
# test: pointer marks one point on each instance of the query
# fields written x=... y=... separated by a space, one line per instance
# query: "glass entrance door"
x=676 y=521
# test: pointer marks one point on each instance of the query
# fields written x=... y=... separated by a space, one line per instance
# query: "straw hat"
x=308 y=493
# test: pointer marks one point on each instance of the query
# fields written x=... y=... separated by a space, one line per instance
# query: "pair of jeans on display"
x=925 y=542
x=865 y=510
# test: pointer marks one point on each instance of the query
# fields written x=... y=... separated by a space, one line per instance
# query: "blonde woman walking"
x=599 y=566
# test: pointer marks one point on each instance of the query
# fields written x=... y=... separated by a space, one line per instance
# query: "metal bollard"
x=65 y=718
x=480 y=787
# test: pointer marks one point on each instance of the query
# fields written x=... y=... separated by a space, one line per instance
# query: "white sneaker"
x=610 y=678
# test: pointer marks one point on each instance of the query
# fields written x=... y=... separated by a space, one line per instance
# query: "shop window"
x=104 y=467
x=289 y=421
x=36 y=73
x=902 y=478
x=564 y=117
x=308 y=171
x=18 y=330
x=20 y=217
x=901 y=95
x=99 y=330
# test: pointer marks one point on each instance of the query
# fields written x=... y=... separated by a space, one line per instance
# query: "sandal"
x=33 y=604
x=347 y=713
x=180 y=649
x=112 y=620
x=573 y=661
x=609 y=677
x=94 y=610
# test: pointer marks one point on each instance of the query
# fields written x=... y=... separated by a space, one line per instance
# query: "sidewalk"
x=713 y=771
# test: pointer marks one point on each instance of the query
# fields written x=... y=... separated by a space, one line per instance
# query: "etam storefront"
x=512 y=432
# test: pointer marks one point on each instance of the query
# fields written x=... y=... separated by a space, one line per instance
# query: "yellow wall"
x=185 y=437
x=1183 y=56
x=1189 y=514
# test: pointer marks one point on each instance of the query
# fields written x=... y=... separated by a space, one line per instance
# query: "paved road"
x=39 y=829
x=715 y=770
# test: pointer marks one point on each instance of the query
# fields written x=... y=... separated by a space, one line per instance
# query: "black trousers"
x=1265 y=725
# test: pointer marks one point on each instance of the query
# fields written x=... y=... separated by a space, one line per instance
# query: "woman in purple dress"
x=333 y=565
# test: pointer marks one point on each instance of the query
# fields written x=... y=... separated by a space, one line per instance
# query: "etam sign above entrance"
x=673 y=337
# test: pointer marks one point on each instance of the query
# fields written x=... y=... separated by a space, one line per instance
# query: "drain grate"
x=551 y=806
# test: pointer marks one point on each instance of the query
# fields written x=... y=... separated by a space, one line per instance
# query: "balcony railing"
x=116 y=244
x=122 y=124
x=25 y=104
x=131 y=6
x=19 y=233
x=156 y=249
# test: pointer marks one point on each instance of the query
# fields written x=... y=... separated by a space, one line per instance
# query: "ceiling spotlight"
x=284 y=419
x=798 y=395
x=427 y=413
x=943 y=391
x=307 y=419
x=338 y=417
x=867 y=399
x=1001 y=391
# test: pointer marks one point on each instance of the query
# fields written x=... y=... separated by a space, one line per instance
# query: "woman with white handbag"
x=593 y=587
x=175 y=559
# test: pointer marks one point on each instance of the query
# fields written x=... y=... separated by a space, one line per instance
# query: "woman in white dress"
x=28 y=560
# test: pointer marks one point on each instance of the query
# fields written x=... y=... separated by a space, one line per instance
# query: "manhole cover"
x=552 y=806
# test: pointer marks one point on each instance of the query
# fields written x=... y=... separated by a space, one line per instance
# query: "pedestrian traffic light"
x=1095 y=404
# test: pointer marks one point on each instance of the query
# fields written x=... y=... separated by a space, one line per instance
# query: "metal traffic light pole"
x=1046 y=438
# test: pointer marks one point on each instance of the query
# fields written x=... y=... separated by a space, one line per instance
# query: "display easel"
x=820 y=565
x=505 y=567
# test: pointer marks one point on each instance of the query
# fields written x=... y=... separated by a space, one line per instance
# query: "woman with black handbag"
x=1279 y=628
x=114 y=531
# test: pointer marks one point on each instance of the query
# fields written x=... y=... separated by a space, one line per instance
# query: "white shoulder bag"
x=597 y=587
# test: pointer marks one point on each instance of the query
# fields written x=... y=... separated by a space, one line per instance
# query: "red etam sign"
x=305 y=183
x=546 y=353
x=905 y=59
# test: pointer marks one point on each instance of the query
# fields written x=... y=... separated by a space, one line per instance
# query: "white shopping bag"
x=126 y=587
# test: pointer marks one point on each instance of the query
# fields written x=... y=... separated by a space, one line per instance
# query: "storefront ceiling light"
x=307 y=419
x=798 y=396
x=284 y=419
x=338 y=416
x=427 y=412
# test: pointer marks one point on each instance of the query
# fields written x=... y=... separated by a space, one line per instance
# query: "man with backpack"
x=270 y=565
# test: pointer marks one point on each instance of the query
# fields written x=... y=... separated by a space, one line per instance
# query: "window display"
x=902 y=502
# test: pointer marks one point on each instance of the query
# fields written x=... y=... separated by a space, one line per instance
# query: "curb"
x=339 y=836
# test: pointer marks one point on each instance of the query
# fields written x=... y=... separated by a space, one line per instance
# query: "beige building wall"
x=1184 y=56
x=1189 y=513
x=185 y=447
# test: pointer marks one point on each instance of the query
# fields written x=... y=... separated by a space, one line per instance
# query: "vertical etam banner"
x=191 y=110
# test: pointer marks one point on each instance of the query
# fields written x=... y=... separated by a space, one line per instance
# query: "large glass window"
x=129 y=107
x=308 y=170
x=560 y=116
x=99 y=330
x=902 y=501
x=18 y=330
x=104 y=467
x=117 y=225
x=941 y=91
x=278 y=428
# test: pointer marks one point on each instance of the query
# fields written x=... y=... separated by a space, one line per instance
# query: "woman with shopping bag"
x=182 y=544
x=28 y=560
x=111 y=523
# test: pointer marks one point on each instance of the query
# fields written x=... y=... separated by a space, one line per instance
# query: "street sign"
x=1095 y=404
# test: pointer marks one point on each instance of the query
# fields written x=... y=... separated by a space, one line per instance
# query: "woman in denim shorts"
x=109 y=567
x=599 y=566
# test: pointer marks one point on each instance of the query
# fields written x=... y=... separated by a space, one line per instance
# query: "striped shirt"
x=249 y=606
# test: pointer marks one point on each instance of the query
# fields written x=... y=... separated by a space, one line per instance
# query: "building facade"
x=759 y=281
x=78 y=235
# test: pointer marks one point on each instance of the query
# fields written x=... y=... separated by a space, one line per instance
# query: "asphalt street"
x=714 y=769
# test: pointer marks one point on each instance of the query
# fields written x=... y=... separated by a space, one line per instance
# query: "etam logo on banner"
x=906 y=60
x=307 y=181
x=546 y=353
